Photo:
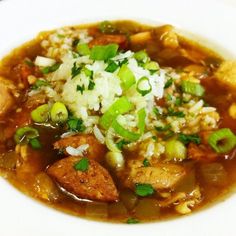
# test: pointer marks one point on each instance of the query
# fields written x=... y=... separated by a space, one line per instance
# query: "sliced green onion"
x=143 y=86
x=109 y=141
x=40 y=83
x=87 y=72
x=24 y=134
x=120 y=130
x=141 y=56
x=171 y=112
x=82 y=165
x=141 y=120
x=112 y=66
x=40 y=114
x=222 y=140
x=192 y=88
x=59 y=113
x=144 y=190
x=152 y=66
x=168 y=83
x=35 y=144
x=126 y=76
x=104 y=52
x=120 y=106
x=83 y=49
x=175 y=150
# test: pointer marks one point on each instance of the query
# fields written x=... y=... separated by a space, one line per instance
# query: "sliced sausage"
x=94 y=184
x=160 y=176
x=95 y=151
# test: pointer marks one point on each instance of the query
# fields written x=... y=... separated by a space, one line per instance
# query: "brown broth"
x=216 y=95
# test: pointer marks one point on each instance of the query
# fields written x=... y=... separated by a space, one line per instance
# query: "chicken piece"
x=227 y=73
x=119 y=39
x=160 y=175
x=201 y=153
x=6 y=98
x=94 y=184
x=95 y=151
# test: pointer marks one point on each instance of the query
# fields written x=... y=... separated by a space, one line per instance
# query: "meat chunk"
x=227 y=73
x=160 y=176
x=121 y=40
x=95 y=151
x=95 y=183
x=6 y=98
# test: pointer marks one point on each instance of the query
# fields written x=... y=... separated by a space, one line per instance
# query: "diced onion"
x=44 y=61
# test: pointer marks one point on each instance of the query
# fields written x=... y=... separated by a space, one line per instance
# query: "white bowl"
x=212 y=21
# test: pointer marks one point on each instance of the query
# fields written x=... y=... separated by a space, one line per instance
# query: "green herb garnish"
x=80 y=88
x=163 y=128
x=50 y=69
x=186 y=139
x=146 y=162
x=168 y=83
x=144 y=190
x=82 y=165
x=112 y=66
x=121 y=144
x=132 y=221
x=75 y=124
x=35 y=144
x=171 y=112
x=75 y=70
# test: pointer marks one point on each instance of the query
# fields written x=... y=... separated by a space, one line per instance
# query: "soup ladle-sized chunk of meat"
x=95 y=151
x=160 y=175
x=6 y=95
x=95 y=183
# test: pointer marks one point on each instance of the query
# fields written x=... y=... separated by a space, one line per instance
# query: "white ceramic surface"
x=21 y=20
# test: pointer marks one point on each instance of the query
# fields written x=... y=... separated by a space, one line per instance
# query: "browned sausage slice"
x=95 y=151
x=94 y=184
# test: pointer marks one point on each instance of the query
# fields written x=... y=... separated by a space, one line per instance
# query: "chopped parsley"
x=91 y=85
x=80 y=88
x=75 y=70
x=39 y=83
x=82 y=165
x=112 y=66
x=75 y=124
x=186 y=139
x=146 y=162
x=121 y=144
x=163 y=128
x=35 y=143
x=144 y=190
x=178 y=101
x=168 y=83
x=171 y=112
x=156 y=111
x=132 y=221
x=28 y=62
x=50 y=69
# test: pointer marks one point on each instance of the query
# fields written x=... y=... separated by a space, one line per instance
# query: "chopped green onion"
x=126 y=76
x=122 y=143
x=168 y=83
x=141 y=56
x=112 y=66
x=24 y=134
x=146 y=162
x=132 y=221
x=83 y=49
x=106 y=27
x=104 y=52
x=87 y=72
x=178 y=101
x=168 y=97
x=28 y=62
x=120 y=106
x=75 y=42
x=156 y=111
x=35 y=144
x=75 y=70
x=152 y=66
x=175 y=150
x=222 y=140
x=186 y=139
x=143 y=86
x=40 y=114
x=82 y=165
x=144 y=190
x=50 y=69
x=192 y=88
x=75 y=124
x=120 y=130
x=80 y=88
x=59 y=113
x=40 y=83
x=141 y=120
